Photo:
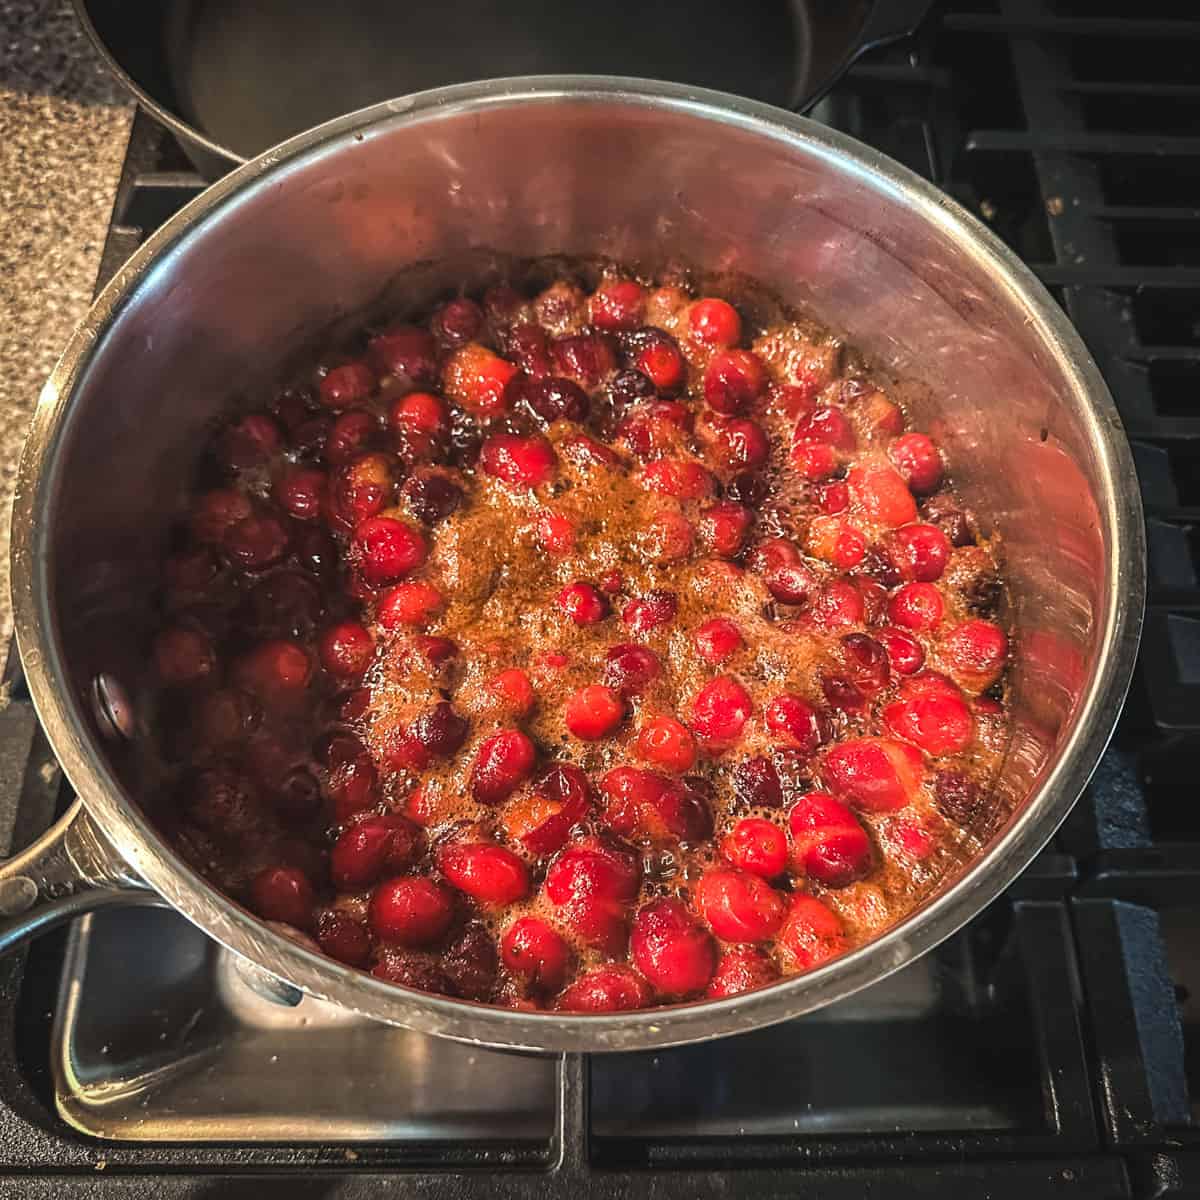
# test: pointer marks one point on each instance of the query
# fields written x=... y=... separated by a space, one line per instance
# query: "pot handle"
x=890 y=20
x=70 y=870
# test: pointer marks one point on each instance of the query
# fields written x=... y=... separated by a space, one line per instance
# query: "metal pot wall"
x=403 y=200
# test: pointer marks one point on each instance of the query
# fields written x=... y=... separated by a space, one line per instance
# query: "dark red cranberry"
x=617 y=304
x=503 y=763
x=795 y=722
x=828 y=843
x=501 y=303
x=408 y=352
x=411 y=971
x=283 y=894
x=521 y=462
x=216 y=513
x=387 y=550
x=431 y=496
x=741 y=969
x=344 y=938
x=717 y=640
x=748 y=488
x=315 y=550
x=346 y=650
x=224 y=803
x=285 y=604
x=256 y=542
x=301 y=492
x=591 y=883
x=866 y=662
x=585 y=357
x=741 y=445
x=583 y=603
x=958 y=798
x=627 y=388
x=942 y=511
x=918 y=461
x=653 y=609
x=733 y=379
x=630 y=669
x=457 y=321
x=553 y=398
x=529 y=347
x=371 y=848
x=470 y=963
x=298 y=797
x=566 y=787
x=842 y=693
x=250 y=442
x=440 y=730
x=347 y=386
x=437 y=650
x=350 y=435
x=310 y=439
x=183 y=656
x=756 y=781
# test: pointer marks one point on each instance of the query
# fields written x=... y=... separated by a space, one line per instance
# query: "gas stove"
x=1051 y=1048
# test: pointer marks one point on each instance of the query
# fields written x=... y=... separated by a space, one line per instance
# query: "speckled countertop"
x=64 y=124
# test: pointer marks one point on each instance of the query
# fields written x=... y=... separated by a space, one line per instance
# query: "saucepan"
x=393 y=201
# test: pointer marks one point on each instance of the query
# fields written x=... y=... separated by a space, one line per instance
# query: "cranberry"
x=919 y=551
x=592 y=883
x=787 y=576
x=372 y=848
x=741 y=969
x=501 y=304
x=918 y=461
x=346 y=650
x=676 y=956
x=387 y=550
x=833 y=498
x=795 y=722
x=630 y=669
x=411 y=603
x=974 y=653
x=838 y=605
x=723 y=528
x=627 y=388
x=488 y=873
x=283 y=894
x=410 y=911
x=457 y=321
x=556 y=533
x=190 y=570
x=284 y=603
x=756 y=781
x=583 y=603
x=667 y=538
x=881 y=494
x=226 y=716
x=561 y=800
x=813 y=460
x=683 y=480
x=916 y=606
x=503 y=763
x=478 y=379
x=436 y=650
x=714 y=323
x=837 y=542
x=431 y=497
x=740 y=444
x=223 y=803
x=905 y=654
x=521 y=462
x=347 y=386
x=811 y=933
x=301 y=493
x=717 y=640
x=440 y=730
x=756 y=845
x=256 y=542
x=411 y=971
x=470 y=963
x=350 y=435
x=536 y=953
x=609 y=988
x=828 y=425
x=554 y=399
x=617 y=304
x=664 y=742
x=957 y=797
x=594 y=712
x=738 y=906
x=875 y=774
x=360 y=489
x=274 y=671
x=828 y=843
x=931 y=713
x=585 y=357
x=353 y=781
x=651 y=807
x=407 y=352
x=719 y=713
x=529 y=347
x=940 y=510
x=342 y=937
x=419 y=412
x=250 y=442
x=216 y=513
x=512 y=691
x=656 y=355
x=733 y=380
x=183 y=657
x=655 y=608
x=655 y=429
x=866 y=662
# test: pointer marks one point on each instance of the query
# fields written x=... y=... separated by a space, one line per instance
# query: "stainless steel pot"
x=323 y=226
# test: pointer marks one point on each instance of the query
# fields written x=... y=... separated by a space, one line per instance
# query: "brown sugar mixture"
x=580 y=651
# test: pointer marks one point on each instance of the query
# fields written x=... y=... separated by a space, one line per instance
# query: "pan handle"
x=70 y=870
x=890 y=20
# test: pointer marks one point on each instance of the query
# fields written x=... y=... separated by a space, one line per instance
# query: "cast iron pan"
x=231 y=78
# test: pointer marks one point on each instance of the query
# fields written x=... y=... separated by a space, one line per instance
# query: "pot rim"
x=62 y=712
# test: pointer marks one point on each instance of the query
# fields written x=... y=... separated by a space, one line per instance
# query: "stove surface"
x=1051 y=1048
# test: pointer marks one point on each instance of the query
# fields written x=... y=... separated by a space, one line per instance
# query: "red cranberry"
x=630 y=669
x=617 y=304
x=346 y=650
x=740 y=445
x=554 y=399
x=733 y=380
x=833 y=498
x=665 y=743
x=224 y=803
x=828 y=425
x=216 y=513
x=226 y=716
x=838 y=605
x=536 y=953
x=591 y=883
x=374 y=847
x=813 y=460
x=786 y=575
x=275 y=670
x=440 y=730
x=905 y=654
x=916 y=606
x=719 y=713
x=583 y=603
x=256 y=542
x=250 y=442
x=457 y=321
x=419 y=412
x=654 y=609
x=881 y=494
x=436 y=650
x=344 y=938
x=283 y=894
x=387 y=550
x=347 y=386
x=353 y=781
x=918 y=461
x=523 y=462
x=412 y=603
x=974 y=653
x=920 y=551
x=301 y=493
x=487 y=873
x=407 y=352
x=478 y=379
x=512 y=691
x=741 y=969
x=361 y=489
x=931 y=713
x=585 y=357
x=608 y=988
x=183 y=657
x=714 y=323
x=564 y=793
x=503 y=763
x=556 y=533
x=656 y=355
x=756 y=782
x=723 y=528
x=837 y=542
x=738 y=906
x=828 y=843
x=811 y=933
x=795 y=722
x=667 y=538
x=717 y=640
x=594 y=712
x=756 y=845
x=874 y=774
x=410 y=911
x=350 y=436
x=676 y=956
x=650 y=807
x=655 y=429
x=683 y=480
x=191 y=570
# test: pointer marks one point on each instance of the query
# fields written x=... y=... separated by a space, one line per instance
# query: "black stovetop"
x=1053 y=1047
